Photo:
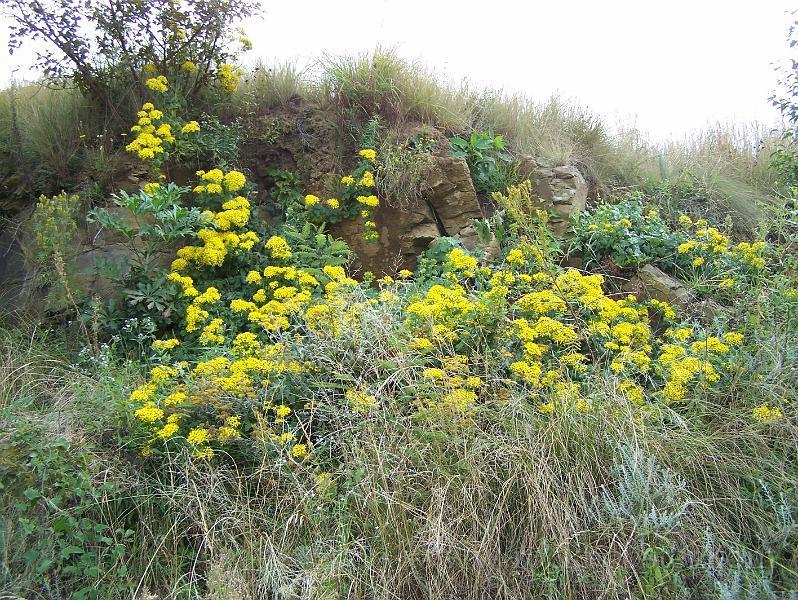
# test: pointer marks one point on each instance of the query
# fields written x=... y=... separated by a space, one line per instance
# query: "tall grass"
x=730 y=160
x=505 y=504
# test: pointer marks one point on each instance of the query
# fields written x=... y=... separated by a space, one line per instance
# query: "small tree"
x=110 y=47
x=785 y=159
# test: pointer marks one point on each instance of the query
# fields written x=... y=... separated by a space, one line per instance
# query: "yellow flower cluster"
x=278 y=248
x=150 y=135
x=360 y=401
x=165 y=345
x=235 y=215
x=229 y=78
x=369 y=154
x=190 y=127
x=154 y=135
x=767 y=414
x=709 y=249
x=157 y=84
x=540 y=335
x=454 y=387
x=462 y=262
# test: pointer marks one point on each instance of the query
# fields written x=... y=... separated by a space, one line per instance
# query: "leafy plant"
x=784 y=160
x=286 y=190
x=628 y=233
x=55 y=231
x=53 y=516
x=149 y=221
x=216 y=143
x=488 y=160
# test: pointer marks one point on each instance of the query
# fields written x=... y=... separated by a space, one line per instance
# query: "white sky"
x=670 y=68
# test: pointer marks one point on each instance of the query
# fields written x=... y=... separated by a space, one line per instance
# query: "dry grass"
x=730 y=160
x=504 y=504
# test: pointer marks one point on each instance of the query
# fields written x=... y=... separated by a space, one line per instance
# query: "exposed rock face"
x=404 y=234
x=448 y=207
x=562 y=190
x=16 y=276
x=452 y=196
x=652 y=282
x=661 y=286
x=21 y=285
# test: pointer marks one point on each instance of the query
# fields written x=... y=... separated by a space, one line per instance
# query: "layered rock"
x=562 y=191
x=653 y=282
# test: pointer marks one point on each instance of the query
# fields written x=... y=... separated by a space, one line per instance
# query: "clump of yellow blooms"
x=157 y=84
x=154 y=136
x=229 y=78
x=165 y=345
x=767 y=414
x=369 y=154
x=479 y=332
x=356 y=198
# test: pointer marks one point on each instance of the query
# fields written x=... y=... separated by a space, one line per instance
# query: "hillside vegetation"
x=218 y=402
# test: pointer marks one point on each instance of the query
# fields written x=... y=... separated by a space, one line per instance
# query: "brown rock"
x=652 y=282
x=562 y=190
x=452 y=196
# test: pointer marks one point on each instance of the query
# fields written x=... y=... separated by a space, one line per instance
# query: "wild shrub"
x=488 y=160
x=55 y=233
x=111 y=54
x=632 y=235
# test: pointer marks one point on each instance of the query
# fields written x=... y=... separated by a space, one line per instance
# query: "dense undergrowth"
x=247 y=417
x=275 y=428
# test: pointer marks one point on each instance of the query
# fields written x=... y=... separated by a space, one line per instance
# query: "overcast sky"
x=670 y=68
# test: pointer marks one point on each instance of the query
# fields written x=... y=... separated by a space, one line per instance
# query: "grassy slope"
x=505 y=507
x=43 y=127
x=603 y=506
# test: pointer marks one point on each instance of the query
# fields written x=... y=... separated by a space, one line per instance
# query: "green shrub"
x=631 y=236
x=53 y=518
x=628 y=233
x=113 y=55
x=488 y=160
x=55 y=246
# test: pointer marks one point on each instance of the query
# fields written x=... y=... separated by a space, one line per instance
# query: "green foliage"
x=108 y=54
x=488 y=160
x=628 y=233
x=55 y=237
x=286 y=192
x=784 y=160
x=149 y=222
x=53 y=518
x=524 y=224
x=494 y=426
x=44 y=134
x=55 y=227
x=432 y=262
x=631 y=236
x=313 y=248
x=216 y=143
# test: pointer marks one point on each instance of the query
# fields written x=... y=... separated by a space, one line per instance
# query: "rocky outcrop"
x=17 y=279
x=561 y=189
x=447 y=208
x=652 y=282
x=451 y=196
